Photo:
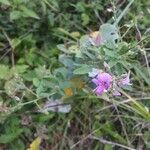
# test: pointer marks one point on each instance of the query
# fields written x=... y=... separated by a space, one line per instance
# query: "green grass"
x=31 y=71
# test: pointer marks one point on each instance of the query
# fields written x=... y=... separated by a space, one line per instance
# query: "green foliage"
x=4 y=72
x=5 y=2
x=84 y=69
x=35 y=67
x=7 y=138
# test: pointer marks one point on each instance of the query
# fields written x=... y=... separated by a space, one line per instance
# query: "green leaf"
x=109 y=33
x=63 y=71
x=14 y=15
x=5 y=2
x=110 y=53
x=119 y=68
x=66 y=61
x=29 y=75
x=83 y=70
x=28 y=13
x=80 y=6
x=43 y=118
x=17 y=2
x=17 y=144
x=14 y=85
x=85 y=19
x=112 y=62
x=7 y=138
x=123 y=48
x=21 y=68
x=36 y=82
x=108 y=147
x=65 y=32
x=108 y=129
x=62 y=48
x=4 y=72
x=15 y=42
x=142 y=74
x=42 y=72
x=51 y=19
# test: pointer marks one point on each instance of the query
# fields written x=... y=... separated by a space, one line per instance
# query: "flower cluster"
x=104 y=82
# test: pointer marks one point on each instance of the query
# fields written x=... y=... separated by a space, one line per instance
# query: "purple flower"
x=116 y=93
x=103 y=82
x=125 y=80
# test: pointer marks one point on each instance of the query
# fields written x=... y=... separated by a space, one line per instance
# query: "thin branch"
x=111 y=143
x=123 y=102
x=5 y=54
x=12 y=49
x=147 y=62
x=122 y=124
x=86 y=137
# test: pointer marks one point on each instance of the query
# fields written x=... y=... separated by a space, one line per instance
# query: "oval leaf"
x=83 y=70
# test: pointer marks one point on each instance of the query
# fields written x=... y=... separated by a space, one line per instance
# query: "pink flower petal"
x=126 y=80
x=98 y=40
x=95 y=81
x=105 y=77
x=103 y=82
x=99 y=90
x=116 y=93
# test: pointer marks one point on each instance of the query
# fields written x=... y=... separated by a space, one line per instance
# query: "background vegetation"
x=29 y=34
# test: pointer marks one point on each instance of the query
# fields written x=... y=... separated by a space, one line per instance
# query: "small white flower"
x=109 y=9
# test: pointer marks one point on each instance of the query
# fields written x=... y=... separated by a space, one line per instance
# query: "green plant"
x=45 y=90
